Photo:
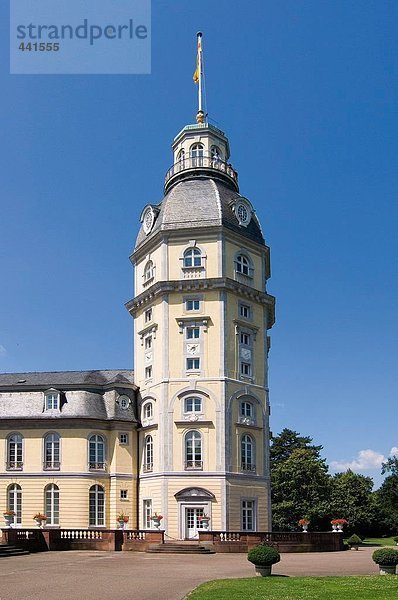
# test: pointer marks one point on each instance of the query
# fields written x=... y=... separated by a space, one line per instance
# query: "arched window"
x=148 y=453
x=247 y=451
x=193 y=451
x=181 y=156
x=51 y=502
x=147 y=411
x=15 y=452
x=215 y=154
x=193 y=405
x=197 y=155
x=97 y=506
x=246 y=410
x=14 y=502
x=243 y=265
x=51 y=451
x=192 y=258
x=148 y=271
x=96 y=458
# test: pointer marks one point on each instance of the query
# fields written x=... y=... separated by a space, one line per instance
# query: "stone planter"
x=263 y=570
x=340 y=528
x=122 y=524
x=156 y=523
x=305 y=528
x=9 y=520
x=334 y=528
x=205 y=523
x=387 y=569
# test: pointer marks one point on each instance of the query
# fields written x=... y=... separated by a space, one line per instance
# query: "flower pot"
x=205 y=523
x=334 y=528
x=263 y=570
x=9 y=520
x=40 y=522
x=387 y=569
x=305 y=528
x=156 y=523
x=340 y=528
x=121 y=524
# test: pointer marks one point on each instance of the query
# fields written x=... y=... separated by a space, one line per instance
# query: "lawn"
x=299 y=588
x=379 y=542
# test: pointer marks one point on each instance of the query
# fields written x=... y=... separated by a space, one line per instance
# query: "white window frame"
x=194 y=409
x=14 y=502
x=96 y=452
x=97 y=506
x=243 y=308
x=247 y=453
x=124 y=494
x=52 y=400
x=148 y=372
x=192 y=332
x=52 y=451
x=148 y=315
x=248 y=504
x=147 y=522
x=193 y=301
x=193 y=364
x=147 y=410
x=193 y=451
x=15 y=452
x=147 y=465
x=123 y=438
x=51 y=503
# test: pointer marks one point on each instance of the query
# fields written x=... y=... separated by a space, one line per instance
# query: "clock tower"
x=201 y=315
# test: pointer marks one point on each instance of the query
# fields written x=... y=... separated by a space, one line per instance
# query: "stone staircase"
x=8 y=550
x=180 y=548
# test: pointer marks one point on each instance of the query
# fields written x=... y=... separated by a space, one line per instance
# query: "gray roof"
x=65 y=379
x=200 y=202
x=83 y=395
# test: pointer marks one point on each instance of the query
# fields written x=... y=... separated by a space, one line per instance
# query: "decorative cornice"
x=194 y=285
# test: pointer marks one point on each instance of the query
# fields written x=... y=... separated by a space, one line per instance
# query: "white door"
x=192 y=522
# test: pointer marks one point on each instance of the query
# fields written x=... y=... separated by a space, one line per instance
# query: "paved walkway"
x=137 y=576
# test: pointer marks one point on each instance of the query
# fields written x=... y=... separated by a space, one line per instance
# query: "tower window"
x=147 y=410
x=245 y=339
x=215 y=154
x=193 y=333
x=193 y=405
x=149 y=271
x=193 y=364
x=123 y=494
x=148 y=372
x=148 y=315
x=243 y=265
x=197 y=155
x=193 y=451
x=192 y=305
x=148 y=454
x=192 y=258
x=148 y=342
x=248 y=515
x=124 y=439
x=245 y=311
x=247 y=450
x=246 y=410
x=245 y=369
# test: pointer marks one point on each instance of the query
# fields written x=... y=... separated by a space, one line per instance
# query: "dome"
x=201 y=202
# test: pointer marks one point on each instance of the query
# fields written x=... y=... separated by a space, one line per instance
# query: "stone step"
x=180 y=549
x=8 y=550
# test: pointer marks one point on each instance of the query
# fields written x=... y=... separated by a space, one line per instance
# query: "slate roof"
x=83 y=395
x=200 y=203
x=64 y=379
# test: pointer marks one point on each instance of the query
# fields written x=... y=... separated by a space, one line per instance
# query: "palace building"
x=186 y=434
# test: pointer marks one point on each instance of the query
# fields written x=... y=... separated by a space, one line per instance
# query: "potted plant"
x=354 y=541
x=122 y=519
x=9 y=517
x=263 y=557
x=156 y=519
x=304 y=524
x=338 y=524
x=205 y=520
x=387 y=559
x=40 y=518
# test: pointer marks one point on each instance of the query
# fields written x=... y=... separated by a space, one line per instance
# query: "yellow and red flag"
x=198 y=61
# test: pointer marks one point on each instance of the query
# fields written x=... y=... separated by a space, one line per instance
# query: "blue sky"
x=306 y=92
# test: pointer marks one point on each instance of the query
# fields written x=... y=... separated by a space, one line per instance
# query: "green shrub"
x=354 y=540
x=264 y=556
x=395 y=539
x=385 y=556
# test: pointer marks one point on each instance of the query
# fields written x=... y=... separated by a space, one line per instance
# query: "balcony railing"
x=51 y=465
x=97 y=466
x=248 y=467
x=205 y=162
x=14 y=465
x=194 y=465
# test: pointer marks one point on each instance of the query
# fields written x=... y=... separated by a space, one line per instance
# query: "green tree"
x=283 y=444
x=351 y=499
x=387 y=497
x=299 y=487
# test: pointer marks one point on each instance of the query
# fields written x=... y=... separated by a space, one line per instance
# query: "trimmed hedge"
x=385 y=556
x=264 y=556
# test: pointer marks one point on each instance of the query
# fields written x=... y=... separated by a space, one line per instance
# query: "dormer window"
x=242 y=265
x=124 y=402
x=244 y=270
x=51 y=400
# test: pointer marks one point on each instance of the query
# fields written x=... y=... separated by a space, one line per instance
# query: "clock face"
x=246 y=354
x=148 y=219
x=193 y=348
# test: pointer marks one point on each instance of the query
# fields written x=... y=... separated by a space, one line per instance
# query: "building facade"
x=188 y=436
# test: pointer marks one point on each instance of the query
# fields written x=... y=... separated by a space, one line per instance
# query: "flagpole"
x=200 y=117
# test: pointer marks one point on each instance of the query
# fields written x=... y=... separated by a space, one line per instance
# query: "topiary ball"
x=354 y=540
x=263 y=556
x=385 y=556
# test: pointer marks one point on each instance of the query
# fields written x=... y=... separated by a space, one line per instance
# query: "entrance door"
x=192 y=522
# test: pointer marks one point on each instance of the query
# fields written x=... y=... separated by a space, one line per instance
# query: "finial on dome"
x=200 y=116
